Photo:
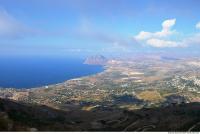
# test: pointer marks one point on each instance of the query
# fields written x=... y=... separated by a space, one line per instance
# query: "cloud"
x=166 y=31
x=160 y=39
x=167 y=24
x=143 y=35
x=198 y=25
x=162 y=43
x=166 y=28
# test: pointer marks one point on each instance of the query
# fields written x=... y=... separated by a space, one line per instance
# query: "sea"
x=31 y=72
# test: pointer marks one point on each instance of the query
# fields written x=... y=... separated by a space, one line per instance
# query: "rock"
x=96 y=60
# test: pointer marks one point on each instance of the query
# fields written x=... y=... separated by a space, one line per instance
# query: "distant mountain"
x=96 y=60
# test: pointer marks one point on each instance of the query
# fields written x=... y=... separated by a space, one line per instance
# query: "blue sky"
x=81 y=27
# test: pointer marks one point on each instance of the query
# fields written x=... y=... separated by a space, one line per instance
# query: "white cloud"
x=198 y=25
x=158 y=39
x=166 y=28
x=161 y=39
x=166 y=31
x=143 y=35
x=167 y=24
x=162 y=43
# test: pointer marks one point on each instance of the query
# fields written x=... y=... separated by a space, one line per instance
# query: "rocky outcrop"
x=96 y=60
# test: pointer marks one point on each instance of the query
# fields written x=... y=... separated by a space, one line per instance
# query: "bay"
x=30 y=72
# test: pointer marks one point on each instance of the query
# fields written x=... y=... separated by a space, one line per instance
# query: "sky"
x=87 y=27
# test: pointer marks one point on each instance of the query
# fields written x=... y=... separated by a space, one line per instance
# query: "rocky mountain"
x=96 y=60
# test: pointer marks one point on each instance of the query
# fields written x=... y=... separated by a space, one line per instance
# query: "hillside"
x=15 y=116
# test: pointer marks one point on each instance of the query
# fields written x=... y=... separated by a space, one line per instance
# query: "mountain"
x=96 y=60
x=18 y=116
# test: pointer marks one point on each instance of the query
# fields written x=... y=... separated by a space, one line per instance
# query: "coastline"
x=55 y=84
x=62 y=83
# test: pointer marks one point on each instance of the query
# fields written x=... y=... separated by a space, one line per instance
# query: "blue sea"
x=30 y=72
